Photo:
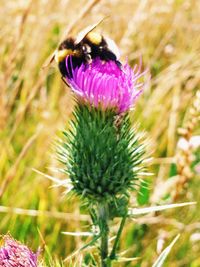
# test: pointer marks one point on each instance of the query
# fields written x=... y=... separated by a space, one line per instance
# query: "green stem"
x=104 y=230
x=113 y=252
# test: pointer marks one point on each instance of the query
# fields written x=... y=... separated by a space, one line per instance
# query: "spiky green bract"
x=100 y=154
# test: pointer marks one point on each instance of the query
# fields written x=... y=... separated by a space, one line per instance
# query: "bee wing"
x=88 y=29
x=112 y=46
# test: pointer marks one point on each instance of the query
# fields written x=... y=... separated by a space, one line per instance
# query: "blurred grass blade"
x=58 y=182
x=159 y=262
x=90 y=244
x=123 y=259
x=78 y=233
x=136 y=211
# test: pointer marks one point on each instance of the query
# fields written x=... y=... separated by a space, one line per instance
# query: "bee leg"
x=63 y=79
x=86 y=50
x=119 y=64
x=88 y=59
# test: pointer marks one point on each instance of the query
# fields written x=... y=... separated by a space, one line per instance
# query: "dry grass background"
x=35 y=105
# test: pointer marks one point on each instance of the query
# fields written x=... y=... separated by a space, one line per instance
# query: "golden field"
x=35 y=105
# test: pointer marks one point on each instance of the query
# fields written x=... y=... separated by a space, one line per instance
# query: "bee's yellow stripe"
x=94 y=38
x=61 y=54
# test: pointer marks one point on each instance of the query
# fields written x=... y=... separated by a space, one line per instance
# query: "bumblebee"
x=87 y=46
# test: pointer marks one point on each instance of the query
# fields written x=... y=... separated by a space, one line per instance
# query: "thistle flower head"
x=101 y=151
x=15 y=254
x=105 y=84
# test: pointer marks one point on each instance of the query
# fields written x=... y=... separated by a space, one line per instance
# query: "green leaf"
x=160 y=260
x=143 y=194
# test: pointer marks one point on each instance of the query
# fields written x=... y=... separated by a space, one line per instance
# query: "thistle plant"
x=101 y=152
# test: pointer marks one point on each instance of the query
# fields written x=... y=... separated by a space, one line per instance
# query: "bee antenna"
x=49 y=61
x=97 y=24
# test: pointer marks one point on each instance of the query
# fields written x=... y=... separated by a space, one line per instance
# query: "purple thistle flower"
x=15 y=254
x=105 y=84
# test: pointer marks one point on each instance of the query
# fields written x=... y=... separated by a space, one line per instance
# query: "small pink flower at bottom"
x=15 y=254
x=105 y=84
